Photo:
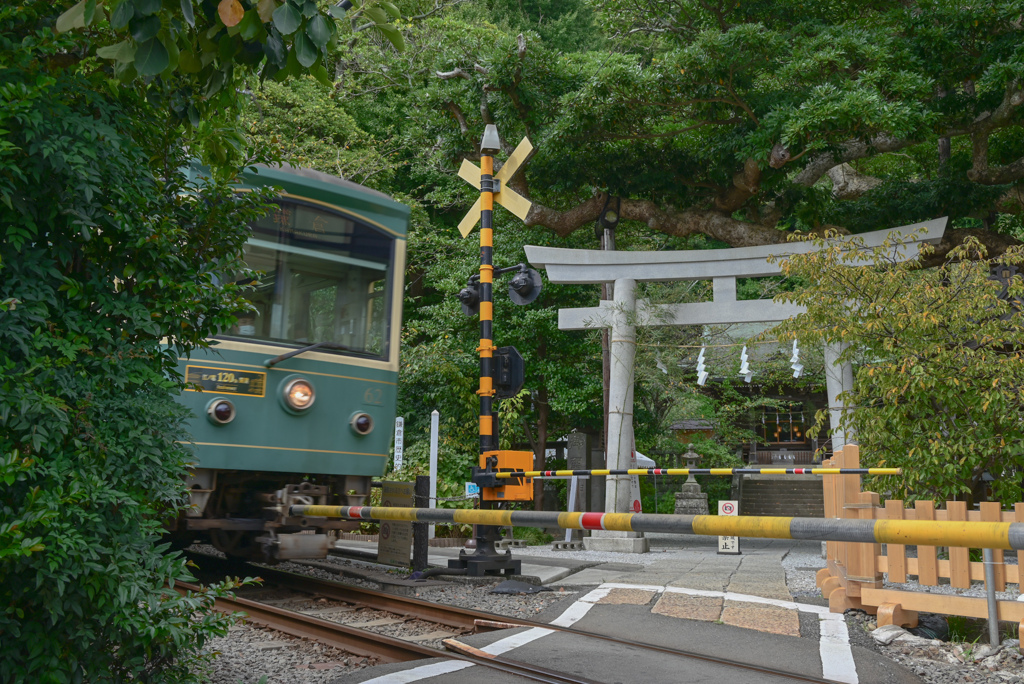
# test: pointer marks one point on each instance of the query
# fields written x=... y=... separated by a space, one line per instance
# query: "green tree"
x=737 y=121
x=113 y=260
x=938 y=351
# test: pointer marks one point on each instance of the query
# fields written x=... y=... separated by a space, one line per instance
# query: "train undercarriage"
x=244 y=514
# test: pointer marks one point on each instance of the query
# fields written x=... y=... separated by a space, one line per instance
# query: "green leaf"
x=391 y=9
x=251 y=25
x=151 y=58
x=305 y=51
x=320 y=74
x=287 y=19
x=189 y=63
x=73 y=18
x=337 y=12
x=144 y=28
x=376 y=14
x=309 y=9
x=319 y=31
x=393 y=35
x=90 y=11
x=274 y=49
x=187 y=13
x=119 y=52
x=144 y=8
x=122 y=14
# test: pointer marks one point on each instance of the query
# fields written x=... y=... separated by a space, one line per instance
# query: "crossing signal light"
x=509 y=372
x=469 y=297
x=525 y=286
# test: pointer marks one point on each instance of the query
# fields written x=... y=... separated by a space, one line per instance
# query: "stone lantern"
x=690 y=500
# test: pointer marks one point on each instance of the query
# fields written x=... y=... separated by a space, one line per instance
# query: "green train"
x=295 y=404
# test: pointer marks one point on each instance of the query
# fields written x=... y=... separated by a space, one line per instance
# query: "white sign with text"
x=729 y=545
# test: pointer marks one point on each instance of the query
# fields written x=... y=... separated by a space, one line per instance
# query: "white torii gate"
x=722 y=267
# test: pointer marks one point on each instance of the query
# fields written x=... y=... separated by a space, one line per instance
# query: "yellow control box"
x=520 y=489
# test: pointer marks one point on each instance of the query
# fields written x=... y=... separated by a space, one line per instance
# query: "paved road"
x=688 y=598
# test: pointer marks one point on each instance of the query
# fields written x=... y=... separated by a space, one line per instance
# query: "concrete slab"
x=596 y=575
x=761 y=617
x=546 y=573
x=705 y=608
x=635 y=597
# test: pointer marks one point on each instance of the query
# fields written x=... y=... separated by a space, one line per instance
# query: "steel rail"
x=407 y=606
x=357 y=641
x=366 y=643
x=468 y=618
x=975 y=535
x=517 y=666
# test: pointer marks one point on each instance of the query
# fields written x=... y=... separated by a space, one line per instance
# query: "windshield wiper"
x=270 y=363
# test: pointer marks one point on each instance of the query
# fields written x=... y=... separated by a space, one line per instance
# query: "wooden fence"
x=853 y=575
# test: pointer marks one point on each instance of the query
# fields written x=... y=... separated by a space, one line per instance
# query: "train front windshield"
x=326 y=278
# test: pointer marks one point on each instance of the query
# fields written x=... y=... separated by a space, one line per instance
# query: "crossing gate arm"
x=973 y=534
x=696 y=471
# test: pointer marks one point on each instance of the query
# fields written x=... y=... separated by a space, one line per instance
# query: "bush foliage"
x=938 y=362
x=110 y=264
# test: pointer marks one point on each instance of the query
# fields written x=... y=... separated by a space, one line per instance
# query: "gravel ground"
x=935 y=661
x=250 y=653
x=943 y=662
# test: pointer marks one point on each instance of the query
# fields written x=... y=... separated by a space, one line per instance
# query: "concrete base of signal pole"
x=618 y=542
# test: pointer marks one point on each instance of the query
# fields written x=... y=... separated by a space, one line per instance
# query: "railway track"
x=358 y=639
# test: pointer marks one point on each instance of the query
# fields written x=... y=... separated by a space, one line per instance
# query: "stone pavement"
x=690 y=563
x=757 y=571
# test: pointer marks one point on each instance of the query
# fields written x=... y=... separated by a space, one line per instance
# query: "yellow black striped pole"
x=488 y=431
x=975 y=535
x=699 y=471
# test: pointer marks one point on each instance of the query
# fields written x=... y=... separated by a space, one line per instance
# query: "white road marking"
x=834 y=649
x=572 y=614
x=421 y=672
x=516 y=640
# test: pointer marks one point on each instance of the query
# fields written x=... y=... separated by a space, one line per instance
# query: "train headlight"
x=298 y=394
x=220 y=411
x=361 y=423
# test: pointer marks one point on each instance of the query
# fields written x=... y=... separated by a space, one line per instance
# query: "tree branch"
x=850 y=150
x=979 y=130
x=454 y=73
x=679 y=223
x=459 y=116
x=848 y=183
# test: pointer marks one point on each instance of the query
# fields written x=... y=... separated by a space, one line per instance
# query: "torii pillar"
x=722 y=267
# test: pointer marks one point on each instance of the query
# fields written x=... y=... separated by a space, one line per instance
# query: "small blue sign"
x=472 y=489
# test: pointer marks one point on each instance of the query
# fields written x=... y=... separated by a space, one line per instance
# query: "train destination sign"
x=227 y=380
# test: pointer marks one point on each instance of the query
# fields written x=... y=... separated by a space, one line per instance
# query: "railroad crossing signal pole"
x=478 y=297
x=488 y=427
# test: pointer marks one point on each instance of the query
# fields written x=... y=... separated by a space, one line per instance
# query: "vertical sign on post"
x=433 y=467
x=634 y=484
x=394 y=543
x=399 y=442
x=728 y=545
